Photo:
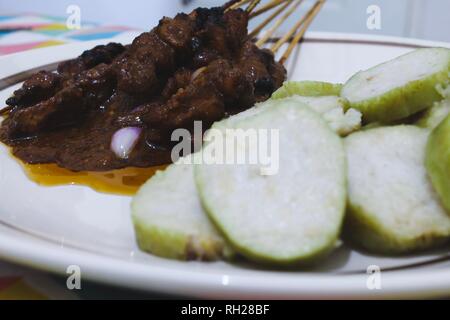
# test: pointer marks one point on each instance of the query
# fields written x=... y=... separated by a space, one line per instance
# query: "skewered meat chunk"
x=38 y=87
x=255 y=63
x=222 y=33
x=44 y=84
x=198 y=66
x=237 y=91
x=90 y=58
x=150 y=47
x=218 y=90
x=180 y=79
x=176 y=32
x=204 y=57
x=200 y=100
x=135 y=77
x=66 y=107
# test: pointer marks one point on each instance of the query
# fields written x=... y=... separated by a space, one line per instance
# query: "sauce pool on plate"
x=122 y=182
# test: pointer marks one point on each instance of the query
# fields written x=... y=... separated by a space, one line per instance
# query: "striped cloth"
x=29 y=31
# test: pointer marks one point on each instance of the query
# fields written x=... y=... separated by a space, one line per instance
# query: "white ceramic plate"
x=52 y=228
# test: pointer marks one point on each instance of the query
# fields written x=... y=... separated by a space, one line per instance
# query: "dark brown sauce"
x=122 y=182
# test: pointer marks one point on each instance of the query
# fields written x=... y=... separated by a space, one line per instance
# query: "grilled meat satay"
x=102 y=54
x=150 y=46
x=135 y=71
x=66 y=107
x=219 y=89
x=260 y=68
x=45 y=84
x=197 y=66
x=38 y=87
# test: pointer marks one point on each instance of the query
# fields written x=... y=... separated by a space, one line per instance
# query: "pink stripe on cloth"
x=20 y=47
x=13 y=26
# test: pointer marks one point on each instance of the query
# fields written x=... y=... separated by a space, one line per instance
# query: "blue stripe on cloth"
x=2 y=18
x=51 y=33
x=94 y=36
x=5 y=32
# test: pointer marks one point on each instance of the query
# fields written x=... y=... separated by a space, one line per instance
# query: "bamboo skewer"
x=302 y=32
x=287 y=8
x=269 y=19
x=277 y=24
x=267 y=7
x=252 y=6
x=294 y=29
x=237 y=5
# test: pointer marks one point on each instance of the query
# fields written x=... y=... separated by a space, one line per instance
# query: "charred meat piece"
x=180 y=79
x=236 y=89
x=28 y=121
x=150 y=47
x=260 y=68
x=177 y=32
x=200 y=100
x=208 y=94
x=90 y=58
x=43 y=84
x=38 y=87
x=195 y=67
x=136 y=77
x=226 y=33
x=66 y=107
x=204 y=57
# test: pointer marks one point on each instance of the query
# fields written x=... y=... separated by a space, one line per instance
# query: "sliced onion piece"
x=124 y=141
x=197 y=72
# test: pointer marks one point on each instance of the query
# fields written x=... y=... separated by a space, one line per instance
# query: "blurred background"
x=426 y=19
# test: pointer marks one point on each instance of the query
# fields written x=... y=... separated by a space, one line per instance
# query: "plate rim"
x=48 y=256
x=249 y=284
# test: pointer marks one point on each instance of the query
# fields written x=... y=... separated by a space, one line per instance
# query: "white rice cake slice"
x=401 y=87
x=169 y=220
x=293 y=216
x=393 y=208
x=307 y=89
x=438 y=160
x=333 y=109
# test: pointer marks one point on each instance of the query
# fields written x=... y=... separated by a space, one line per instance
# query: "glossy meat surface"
x=193 y=67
